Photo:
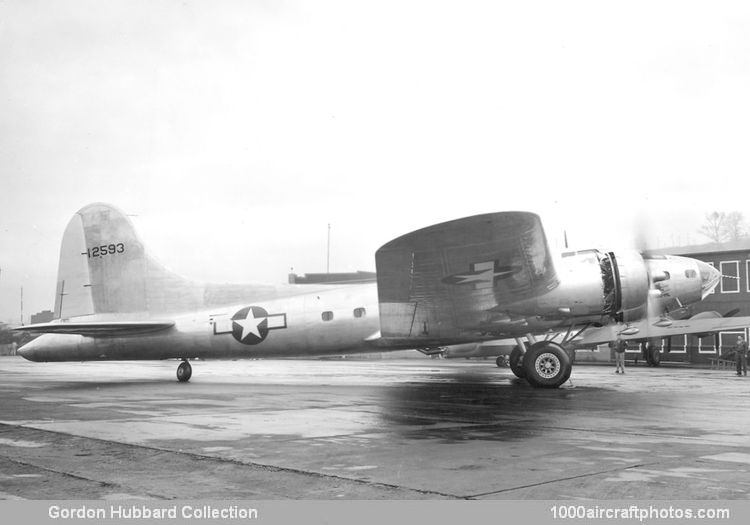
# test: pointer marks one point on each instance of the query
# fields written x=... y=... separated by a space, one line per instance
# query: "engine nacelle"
x=626 y=285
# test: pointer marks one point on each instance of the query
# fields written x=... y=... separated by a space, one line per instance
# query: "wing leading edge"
x=650 y=329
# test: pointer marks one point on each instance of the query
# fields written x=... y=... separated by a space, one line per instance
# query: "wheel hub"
x=547 y=365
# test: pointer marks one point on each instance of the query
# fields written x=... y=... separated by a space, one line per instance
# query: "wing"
x=647 y=329
x=99 y=329
x=440 y=284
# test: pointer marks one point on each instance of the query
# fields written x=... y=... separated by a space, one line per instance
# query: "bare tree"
x=713 y=228
x=722 y=227
x=735 y=226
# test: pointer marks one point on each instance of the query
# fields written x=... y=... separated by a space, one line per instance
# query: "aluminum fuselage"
x=208 y=334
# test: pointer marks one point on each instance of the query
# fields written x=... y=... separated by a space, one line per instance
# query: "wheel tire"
x=516 y=362
x=652 y=353
x=500 y=361
x=184 y=372
x=655 y=355
x=547 y=365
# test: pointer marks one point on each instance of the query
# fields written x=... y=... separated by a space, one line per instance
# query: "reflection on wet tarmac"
x=412 y=428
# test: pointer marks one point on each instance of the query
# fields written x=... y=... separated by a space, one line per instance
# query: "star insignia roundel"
x=251 y=324
x=483 y=274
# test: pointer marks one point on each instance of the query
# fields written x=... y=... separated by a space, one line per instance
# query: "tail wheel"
x=184 y=371
x=547 y=365
x=516 y=362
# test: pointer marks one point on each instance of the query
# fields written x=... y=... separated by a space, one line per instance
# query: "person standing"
x=740 y=356
x=620 y=346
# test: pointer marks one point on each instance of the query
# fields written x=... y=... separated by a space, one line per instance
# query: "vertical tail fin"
x=104 y=269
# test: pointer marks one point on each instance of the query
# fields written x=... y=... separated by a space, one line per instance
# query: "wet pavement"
x=381 y=429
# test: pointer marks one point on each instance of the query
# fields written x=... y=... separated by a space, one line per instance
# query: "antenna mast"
x=328 y=250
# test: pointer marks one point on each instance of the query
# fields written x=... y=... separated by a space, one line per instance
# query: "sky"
x=235 y=132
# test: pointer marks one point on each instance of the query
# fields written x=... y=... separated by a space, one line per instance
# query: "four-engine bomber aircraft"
x=478 y=278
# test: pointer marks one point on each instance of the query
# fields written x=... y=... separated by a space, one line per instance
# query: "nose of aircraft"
x=710 y=277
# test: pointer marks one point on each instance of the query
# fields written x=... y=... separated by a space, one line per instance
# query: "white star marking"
x=250 y=325
x=483 y=272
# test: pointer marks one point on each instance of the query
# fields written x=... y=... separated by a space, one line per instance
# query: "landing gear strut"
x=184 y=371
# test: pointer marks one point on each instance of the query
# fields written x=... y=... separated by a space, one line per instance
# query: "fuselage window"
x=360 y=312
x=327 y=316
x=691 y=274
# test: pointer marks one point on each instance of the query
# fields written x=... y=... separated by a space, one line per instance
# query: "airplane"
x=468 y=280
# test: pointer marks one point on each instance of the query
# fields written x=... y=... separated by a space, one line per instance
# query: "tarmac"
x=369 y=430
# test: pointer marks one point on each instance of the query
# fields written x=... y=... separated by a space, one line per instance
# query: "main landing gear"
x=184 y=371
x=651 y=352
x=544 y=365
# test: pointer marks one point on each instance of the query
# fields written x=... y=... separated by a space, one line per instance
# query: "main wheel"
x=651 y=352
x=184 y=371
x=655 y=355
x=516 y=362
x=547 y=365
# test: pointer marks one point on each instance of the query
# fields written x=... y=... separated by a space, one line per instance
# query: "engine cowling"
x=626 y=285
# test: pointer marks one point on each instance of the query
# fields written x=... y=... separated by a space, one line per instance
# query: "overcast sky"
x=235 y=131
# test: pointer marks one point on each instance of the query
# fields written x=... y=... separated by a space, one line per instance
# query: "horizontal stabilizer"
x=99 y=329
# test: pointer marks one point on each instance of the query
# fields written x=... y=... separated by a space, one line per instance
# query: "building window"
x=360 y=312
x=730 y=276
x=728 y=340
x=747 y=272
x=327 y=316
x=633 y=348
x=678 y=344
x=707 y=345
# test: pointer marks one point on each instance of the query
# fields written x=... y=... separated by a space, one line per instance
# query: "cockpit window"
x=691 y=274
